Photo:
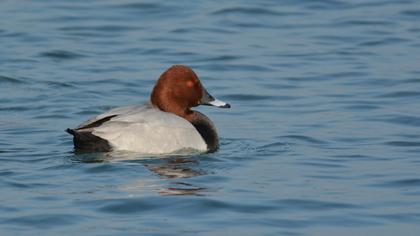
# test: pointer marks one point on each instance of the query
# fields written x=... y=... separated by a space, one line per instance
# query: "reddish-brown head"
x=178 y=89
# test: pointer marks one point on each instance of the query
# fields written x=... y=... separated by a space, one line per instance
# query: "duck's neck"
x=205 y=127
x=172 y=108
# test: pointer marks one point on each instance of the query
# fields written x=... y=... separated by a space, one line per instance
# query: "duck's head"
x=178 y=89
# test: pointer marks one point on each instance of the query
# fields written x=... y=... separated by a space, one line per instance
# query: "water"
x=322 y=138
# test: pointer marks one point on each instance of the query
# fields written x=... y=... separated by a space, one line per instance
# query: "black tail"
x=88 y=142
x=70 y=131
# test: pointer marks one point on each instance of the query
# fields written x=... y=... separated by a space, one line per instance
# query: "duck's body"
x=144 y=129
x=163 y=125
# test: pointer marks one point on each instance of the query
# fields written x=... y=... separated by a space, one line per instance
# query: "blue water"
x=323 y=137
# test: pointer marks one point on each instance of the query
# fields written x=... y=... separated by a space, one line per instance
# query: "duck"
x=163 y=125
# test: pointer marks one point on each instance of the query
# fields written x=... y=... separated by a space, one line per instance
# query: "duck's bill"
x=218 y=103
x=209 y=100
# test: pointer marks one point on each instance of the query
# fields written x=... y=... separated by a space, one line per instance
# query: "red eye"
x=190 y=83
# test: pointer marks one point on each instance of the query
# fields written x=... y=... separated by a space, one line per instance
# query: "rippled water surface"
x=323 y=137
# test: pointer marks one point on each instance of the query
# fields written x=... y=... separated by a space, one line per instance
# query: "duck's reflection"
x=176 y=169
x=172 y=169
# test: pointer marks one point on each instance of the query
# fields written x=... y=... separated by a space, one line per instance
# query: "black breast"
x=207 y=131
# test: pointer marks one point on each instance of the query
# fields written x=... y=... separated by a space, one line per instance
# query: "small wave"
x=61 y=54
x=364 y=23
x=7 y=79
x=235 y=146
x=304 y=138
x=275 y=144
x=191 y=206
x=403 y=144
x=163 y=9
x=301 y=204
x=411 y=13
x=321 y=164
x=277 y=86
x=401 y=119
x=357 y=157
x=59 y=84
x=234 y=67
x=222 y=58
x=203 y=29
x=100 y=31
x=274 y=148
x=399 y=217
x=362 y=107
x=385 y=41
x=247 y=11
x=400 y=183
x=249 y=25
x=6 y=173
x=140 y=6
x=129 y=206
x=247 y=97
x=401 y=94
x=103 y=168
x=414 y=80
x=26 y=184
x=348 y=74
x=43 y=221
x=8 y=209
x=327 y=5
x=16 y=108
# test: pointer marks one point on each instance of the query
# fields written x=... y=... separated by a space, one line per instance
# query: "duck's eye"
x=190 y=83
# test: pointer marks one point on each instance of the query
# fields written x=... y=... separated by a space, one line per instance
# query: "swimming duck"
x=165 y=124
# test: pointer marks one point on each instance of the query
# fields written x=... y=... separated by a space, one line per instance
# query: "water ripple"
x=304 y=138
x=364 y=23
x=194 y=206
x=59 y=84
x=400 y=94
x=6 y=173
x=141 y=6
x=403 y=144
x=43 y=221
x=7 y=79
x=313 y=205
x=61 y=54
x=273 y=149
x=411 y=13
x=129 y=206
x=252 y=11
x=247 y=97
x=413 y=183
x=108 y=31
x=326 y=5
x=406 y=120
x=398 y=217
x=25 y=184
x=384 y=41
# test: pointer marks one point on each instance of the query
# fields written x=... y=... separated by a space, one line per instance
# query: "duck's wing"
x=104 y=117
x=85 y=140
